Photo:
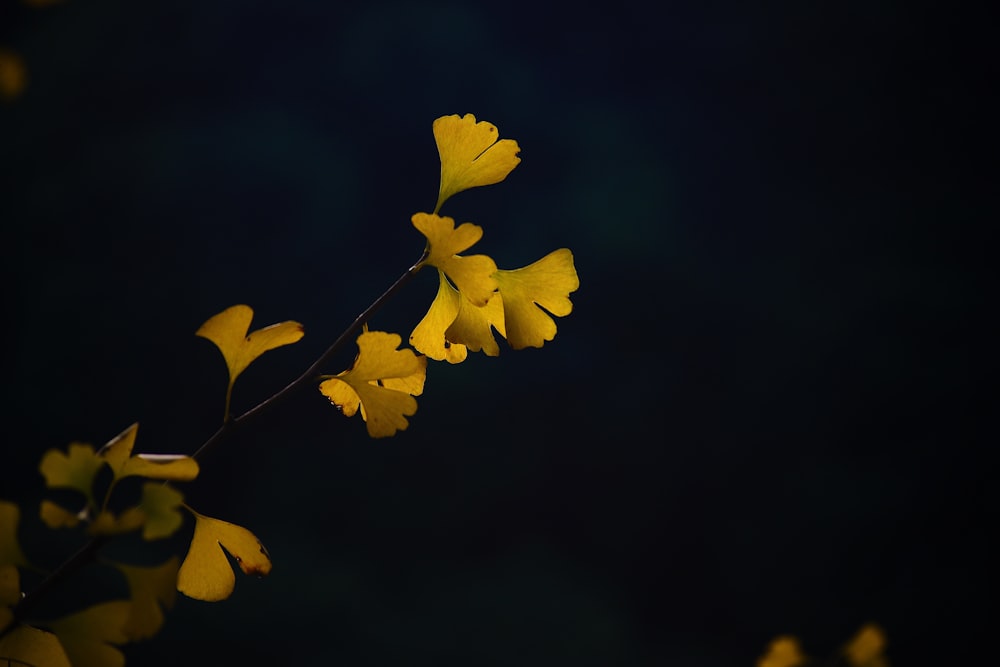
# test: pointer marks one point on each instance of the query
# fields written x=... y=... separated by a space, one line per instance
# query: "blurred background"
x=766 y=415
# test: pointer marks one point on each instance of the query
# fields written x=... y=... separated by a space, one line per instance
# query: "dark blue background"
x=765 y=415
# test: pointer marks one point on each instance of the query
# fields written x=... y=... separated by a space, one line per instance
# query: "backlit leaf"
x=471 y=274
x=10 y=548
x=206 y=573
x=471 y=154
x=150 y=588
x=75 y=470
x=228 y=330
x=118 y=454
x=89 y=636
x=429 y=335
x=160 y=504
x=30 y=647
x=382 y=383
x=545 y=284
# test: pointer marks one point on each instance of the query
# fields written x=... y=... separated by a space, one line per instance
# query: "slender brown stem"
x=88 y=551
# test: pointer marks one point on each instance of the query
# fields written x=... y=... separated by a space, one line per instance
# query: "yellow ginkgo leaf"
x=782 y=652
x=228 y=330
x=471 y=154
x=206 y=573
x=26 y=645
x=10 y=548
x=546 y=284
x=109 y=523
x=160 y=504
x=75 y=470
x=118 y=455
x=867 y=647
x=428 y=336
x=89 y=636
x=472 y=274
x=13 y=75
x=151 y=588
x=56 y=517
x=382 y=382
x=473 y=327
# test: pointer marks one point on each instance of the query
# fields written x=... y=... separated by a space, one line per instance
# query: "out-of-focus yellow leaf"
x=33 y=647
x=160 y=504
x=471 y=154
x=228 y=330
x=428 y=336
x=472 y=274
x=206 y=573
x=56 y=517
x=108 y=523
x=867 y=647
x=150 y=588
x=13 y=75
x=782 y=652
x=10 y=548
x=74 y=471
x=382 y=382
x=118 y=454
x=89 y=636
x=545 y=284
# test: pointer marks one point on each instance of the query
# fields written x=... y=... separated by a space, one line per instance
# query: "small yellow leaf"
x=473 y=327
x=428 y=336
x=56 y=517
x=782 y=652
x=107 y=523
x=10 y=548
x=118 y=454
x=88 y=636
x=150 y=588
x=471 y=154
x=30 y=646
x=866 y=648
x=472 y=274
x=13 y=75
x=545 y=284
x=382 y=383
x=206 y=573
x=228 y=330
x=76 y=470
x=160 y=504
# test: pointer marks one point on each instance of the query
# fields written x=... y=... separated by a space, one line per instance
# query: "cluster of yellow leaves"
x=865 y=649
x=474 y=296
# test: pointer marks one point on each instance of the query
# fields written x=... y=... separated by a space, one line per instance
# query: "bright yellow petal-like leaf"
x=867 y=647
x=89 y=636
x=76 y=470
x=471 y=154
x=472 y=274
x=160 y=504
x=545 y=284
x=428 y=336
x=151 y=588
x=10 y=548
x=228 y=330
x=383 y=381
x=55 y=516
x=30 y=646
x=473 y=327
x=118 y=454
x=782 y=652
x=206 y=573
